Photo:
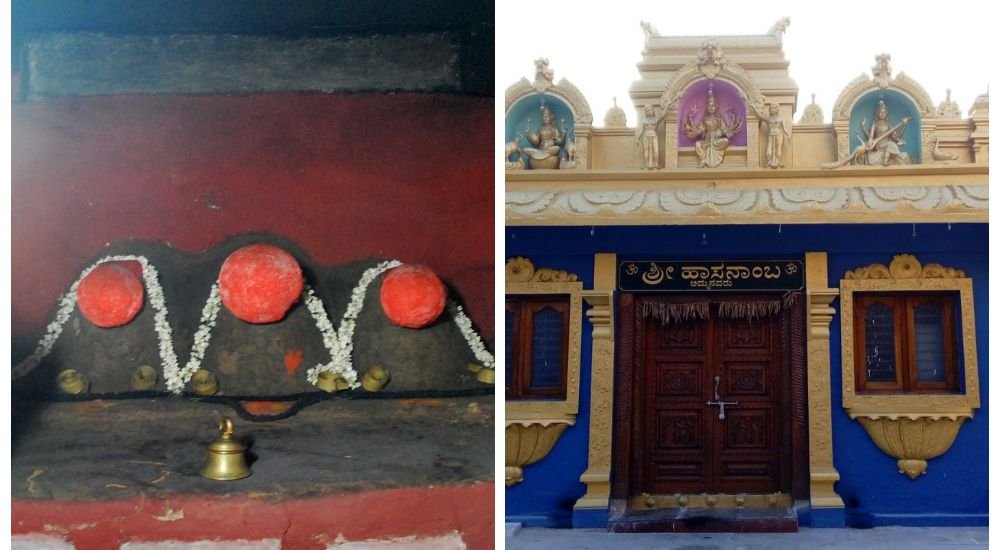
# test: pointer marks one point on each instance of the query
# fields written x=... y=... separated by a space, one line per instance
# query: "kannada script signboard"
x=701 y=275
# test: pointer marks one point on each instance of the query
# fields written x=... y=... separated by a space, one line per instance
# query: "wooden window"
x=537 y=327
x=905 y=342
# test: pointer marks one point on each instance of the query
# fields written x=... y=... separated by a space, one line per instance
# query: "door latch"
x=718 y=400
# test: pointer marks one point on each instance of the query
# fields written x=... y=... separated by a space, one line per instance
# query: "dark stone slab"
x=69 y=64
x=706 y=520
x=104 y=450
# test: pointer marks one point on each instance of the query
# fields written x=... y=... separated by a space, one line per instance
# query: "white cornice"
x=688 y=197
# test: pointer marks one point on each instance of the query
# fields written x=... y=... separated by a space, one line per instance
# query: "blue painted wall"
x=955 y=489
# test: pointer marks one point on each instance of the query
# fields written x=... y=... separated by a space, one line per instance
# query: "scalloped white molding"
x=829 y=202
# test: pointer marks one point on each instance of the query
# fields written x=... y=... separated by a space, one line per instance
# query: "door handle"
x=718 y=401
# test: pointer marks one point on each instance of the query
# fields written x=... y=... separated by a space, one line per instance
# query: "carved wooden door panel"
x=690 y=446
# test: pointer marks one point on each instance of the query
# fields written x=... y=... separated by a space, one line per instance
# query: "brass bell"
x=226 y=456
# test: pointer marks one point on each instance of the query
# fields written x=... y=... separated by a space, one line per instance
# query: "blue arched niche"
x=899 y=106
x=531 y=107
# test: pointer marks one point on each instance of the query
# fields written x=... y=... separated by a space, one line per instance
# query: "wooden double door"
x=712 y=407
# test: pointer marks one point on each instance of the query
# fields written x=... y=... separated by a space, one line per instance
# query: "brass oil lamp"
x=226 y=456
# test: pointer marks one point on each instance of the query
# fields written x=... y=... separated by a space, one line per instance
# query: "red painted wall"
x=347 y=177
x=304 y=524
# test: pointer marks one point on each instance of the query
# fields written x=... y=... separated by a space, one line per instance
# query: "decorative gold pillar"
x=841 y=129
x=597 y=477
x=670 y=139
x=752 y=125
x=822 y=474
x=582 y=135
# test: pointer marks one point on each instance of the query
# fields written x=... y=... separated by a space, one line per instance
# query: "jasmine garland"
x=340 y=346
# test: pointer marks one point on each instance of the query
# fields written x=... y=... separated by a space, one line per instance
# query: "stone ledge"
x=72 y=64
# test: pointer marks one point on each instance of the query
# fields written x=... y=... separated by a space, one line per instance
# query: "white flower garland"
x=340 y=346
x=471 y=336
x=176 y=380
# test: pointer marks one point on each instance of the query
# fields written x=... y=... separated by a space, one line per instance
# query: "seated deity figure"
x=712 y=132
x=546 y=144
x=880 y=144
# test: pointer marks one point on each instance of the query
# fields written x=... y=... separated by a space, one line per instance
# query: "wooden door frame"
x=628 y=384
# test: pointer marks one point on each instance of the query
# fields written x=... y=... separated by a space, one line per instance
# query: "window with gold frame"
x=909 y=419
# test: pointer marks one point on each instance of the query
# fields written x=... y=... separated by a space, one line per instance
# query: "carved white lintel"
x=829 y=202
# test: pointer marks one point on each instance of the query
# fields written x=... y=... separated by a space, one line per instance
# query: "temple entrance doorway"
x=710 y=423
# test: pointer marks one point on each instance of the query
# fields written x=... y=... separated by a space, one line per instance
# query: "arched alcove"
x=899 y=106
x=524 y=100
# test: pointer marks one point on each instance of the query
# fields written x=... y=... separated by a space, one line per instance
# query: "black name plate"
x=700 y=275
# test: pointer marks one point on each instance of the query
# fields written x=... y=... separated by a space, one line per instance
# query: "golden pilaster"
x=597 y=477
x=822 y=474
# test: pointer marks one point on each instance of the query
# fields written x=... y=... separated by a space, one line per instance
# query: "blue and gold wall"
x=954 y=490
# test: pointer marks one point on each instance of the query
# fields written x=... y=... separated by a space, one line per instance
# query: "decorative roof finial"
x=948 y=109
x=710 y=58
x=882 y=70
x=812 y=114
x=543 y=74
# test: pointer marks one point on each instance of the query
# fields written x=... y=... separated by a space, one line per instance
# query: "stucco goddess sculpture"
x=712 y=132
x=882 y=140
x=879 y=144
x=776 y=136
x=547 y=143
x=648 y=140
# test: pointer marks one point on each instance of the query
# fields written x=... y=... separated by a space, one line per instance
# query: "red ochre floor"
x=299 y=524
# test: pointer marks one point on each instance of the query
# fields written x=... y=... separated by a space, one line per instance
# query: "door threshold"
x=706 y=520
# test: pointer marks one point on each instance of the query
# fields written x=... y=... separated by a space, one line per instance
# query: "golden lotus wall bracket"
x=526 y=443
x=912 y=439
x=913 y=428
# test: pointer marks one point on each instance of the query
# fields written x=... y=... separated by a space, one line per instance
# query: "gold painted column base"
x=913 y=439
x=821 y=493
x=598 y=493
x=527 y=442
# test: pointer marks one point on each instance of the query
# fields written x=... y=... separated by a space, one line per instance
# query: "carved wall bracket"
x=527 y=442
x=912 y=439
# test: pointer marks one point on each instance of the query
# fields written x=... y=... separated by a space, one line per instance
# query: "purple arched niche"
x=725 y=95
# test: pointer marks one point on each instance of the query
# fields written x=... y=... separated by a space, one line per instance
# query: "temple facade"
x=742 y=313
